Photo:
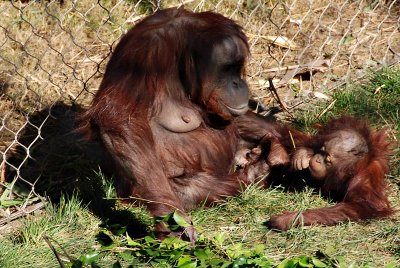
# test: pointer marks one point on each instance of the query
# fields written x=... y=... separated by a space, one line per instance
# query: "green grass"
x=69 y=223
x=230 y=230
x=377 y=100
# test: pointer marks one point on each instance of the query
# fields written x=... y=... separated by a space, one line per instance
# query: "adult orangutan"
x=165 y=112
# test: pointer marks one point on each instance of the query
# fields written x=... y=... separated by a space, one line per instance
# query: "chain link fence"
x=53 y=55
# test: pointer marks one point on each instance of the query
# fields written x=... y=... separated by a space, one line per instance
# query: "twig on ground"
x=276 y=96
x=46 y=238
x=28 y=210
x=326 y=109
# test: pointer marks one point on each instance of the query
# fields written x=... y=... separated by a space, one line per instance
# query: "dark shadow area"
x=282 y=177
x=289 y=181
x=60 y=162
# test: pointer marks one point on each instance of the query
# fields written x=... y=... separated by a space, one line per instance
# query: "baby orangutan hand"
x=301 y=158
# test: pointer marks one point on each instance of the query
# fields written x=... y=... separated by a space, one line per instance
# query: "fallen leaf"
x=281 y=41
x=321 y=95
x=318 y=65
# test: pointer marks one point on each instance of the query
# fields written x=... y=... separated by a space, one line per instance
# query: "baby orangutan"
x=346 y=160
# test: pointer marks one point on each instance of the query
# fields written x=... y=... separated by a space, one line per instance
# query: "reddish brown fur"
x=360 y=189
x=153 y=62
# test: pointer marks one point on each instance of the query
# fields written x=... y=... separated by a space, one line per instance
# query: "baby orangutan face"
x=342 y=148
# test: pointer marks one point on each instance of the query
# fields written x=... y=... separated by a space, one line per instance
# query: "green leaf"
x=180 y=220
x=216 y=262
x=259 y=249
x=89 y=258
x=188 y=265
x=341 y=262
x=5 y=194
x=126 y=256
x=226 y=264
x=173 y=243
x=305 y=262
x=152 y=253
x=288 y=263
x=186 y=262
x=203 y=254
x=131 y=242
x=240 y=261
x=235 y=251
x=260 y=262
x=317 y=263
x=165 y=218
x=9 y=202
x=149 y=239
x=219 y=239
x=175 y=255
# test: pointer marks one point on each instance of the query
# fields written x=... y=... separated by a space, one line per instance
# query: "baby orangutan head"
x=340 y=148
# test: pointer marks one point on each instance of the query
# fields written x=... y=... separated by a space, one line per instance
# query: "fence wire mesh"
x=53 y=55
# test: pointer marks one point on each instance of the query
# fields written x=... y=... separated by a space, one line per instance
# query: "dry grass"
x=57 y=52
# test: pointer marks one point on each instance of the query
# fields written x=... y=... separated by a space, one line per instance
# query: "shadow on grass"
x=61 y=163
